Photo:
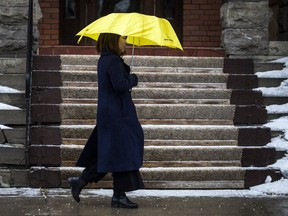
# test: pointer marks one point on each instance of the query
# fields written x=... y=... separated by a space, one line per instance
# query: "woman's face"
x=122 y=44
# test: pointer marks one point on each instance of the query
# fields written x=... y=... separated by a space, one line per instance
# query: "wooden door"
x=172 y=10
x=76 y=14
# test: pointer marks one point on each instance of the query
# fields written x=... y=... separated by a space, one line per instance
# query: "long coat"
x=118 y=136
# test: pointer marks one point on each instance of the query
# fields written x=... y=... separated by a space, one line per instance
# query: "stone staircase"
x=202 y=123
x=12 y=122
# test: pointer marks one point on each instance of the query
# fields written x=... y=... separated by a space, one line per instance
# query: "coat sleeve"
x=119 y=80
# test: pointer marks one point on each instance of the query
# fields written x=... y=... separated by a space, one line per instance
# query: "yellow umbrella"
x=140 y=29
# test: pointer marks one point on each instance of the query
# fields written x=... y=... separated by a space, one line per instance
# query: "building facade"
x=197 y=23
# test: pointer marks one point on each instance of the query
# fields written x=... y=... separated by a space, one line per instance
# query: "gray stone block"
x=12 y=65
x=245 y=15
x=245 y=41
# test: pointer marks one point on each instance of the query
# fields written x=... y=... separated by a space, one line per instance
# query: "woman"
x=117 y=142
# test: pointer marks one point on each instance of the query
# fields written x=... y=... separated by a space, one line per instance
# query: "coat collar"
x=108 y=52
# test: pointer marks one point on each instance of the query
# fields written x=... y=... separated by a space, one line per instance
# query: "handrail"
x=28 y=79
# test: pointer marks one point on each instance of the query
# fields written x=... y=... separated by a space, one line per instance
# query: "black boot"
x=76 y=184
x=122 y=201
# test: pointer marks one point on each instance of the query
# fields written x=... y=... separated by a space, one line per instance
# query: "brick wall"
x=201 y=23
x=49 y=25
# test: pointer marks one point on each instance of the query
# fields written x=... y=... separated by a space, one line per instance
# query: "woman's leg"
x=88 y=175
x=124 y=182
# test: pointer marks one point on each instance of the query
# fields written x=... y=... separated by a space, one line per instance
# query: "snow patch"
x=273 y=188
x=5 y=89
x=8 y=107
x=4 y=127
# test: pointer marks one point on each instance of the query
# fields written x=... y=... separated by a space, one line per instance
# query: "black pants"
x=122 y=181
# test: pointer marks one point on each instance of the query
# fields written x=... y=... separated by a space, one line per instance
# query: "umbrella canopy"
x=140 y=29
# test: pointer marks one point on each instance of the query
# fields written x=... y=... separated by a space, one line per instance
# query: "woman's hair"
x=108 y=41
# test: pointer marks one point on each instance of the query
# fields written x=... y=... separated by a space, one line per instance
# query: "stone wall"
x=13 y=26
x=245 y=27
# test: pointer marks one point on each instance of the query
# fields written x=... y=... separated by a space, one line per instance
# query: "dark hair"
x=108 y=41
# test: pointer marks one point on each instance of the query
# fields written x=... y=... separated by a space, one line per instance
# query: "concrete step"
x=173 y=156
x=13 y=99
x=155 y=111
x=182 y=78
x=88 y=95
x=162 y=132
x=16 y=81
x=187 y=156
x=87 y=76
x=147 y=69
x=162 y=142
x=267 y=66
x=272 y=100
x=148 y=61
x=152 y=101
x=13 y=117
x=14 y=177
x=180 y=177
x=12 y=154
x=270 y=82
x=154 y=85
x=151 y=93
x=202 y=135
x=13 y=135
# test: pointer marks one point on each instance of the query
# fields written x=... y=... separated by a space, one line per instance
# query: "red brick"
x=199 y=1
x=191 y=7
x=210 y=7
x=212 y=12
x=51 y=32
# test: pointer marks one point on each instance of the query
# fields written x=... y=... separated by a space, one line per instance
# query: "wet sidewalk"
x=22 y=202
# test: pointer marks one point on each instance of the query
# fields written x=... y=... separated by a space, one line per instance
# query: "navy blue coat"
x=120 y=139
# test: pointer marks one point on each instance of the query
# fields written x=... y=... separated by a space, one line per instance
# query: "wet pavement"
x=24 y=202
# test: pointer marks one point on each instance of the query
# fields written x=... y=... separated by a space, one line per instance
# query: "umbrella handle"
x=80 y=38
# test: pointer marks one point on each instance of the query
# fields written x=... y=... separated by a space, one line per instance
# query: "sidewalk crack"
x=44 y=194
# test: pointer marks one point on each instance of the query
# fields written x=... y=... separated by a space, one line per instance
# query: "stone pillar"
x=245 y=27
x=13 y=26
